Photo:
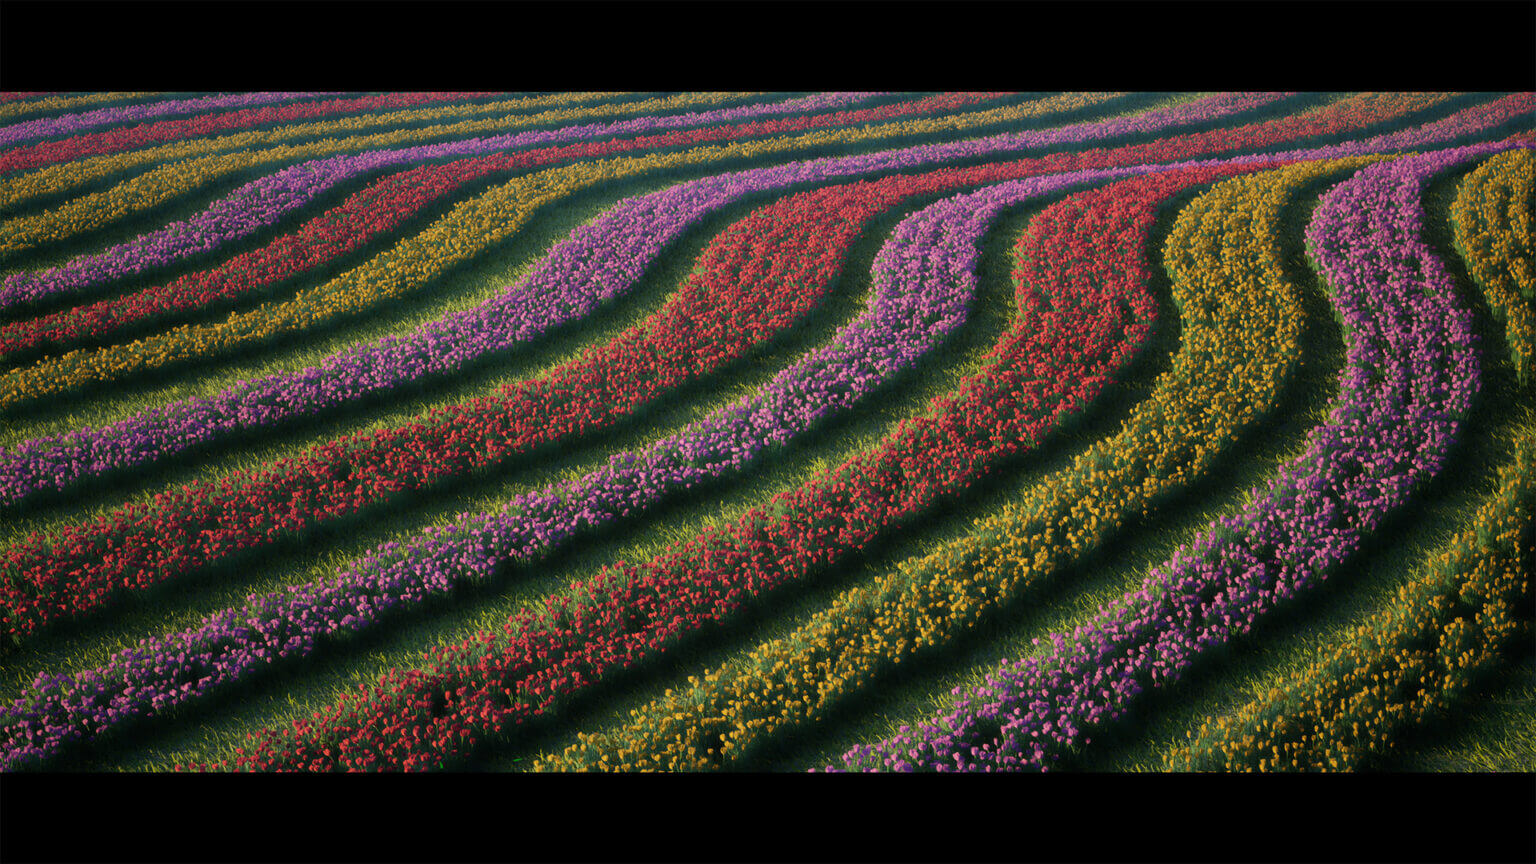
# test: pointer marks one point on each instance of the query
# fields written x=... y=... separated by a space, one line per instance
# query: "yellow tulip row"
x=15 y=111
x=1409 y=662
x=468 y=229
x=1415 y=658
x=164 y=183
x=1495 y=236
x=1241 y=328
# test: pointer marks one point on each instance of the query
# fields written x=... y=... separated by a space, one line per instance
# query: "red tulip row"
x=753 y=281
x=1084 y=310
x=381 y=207
x=144 y=134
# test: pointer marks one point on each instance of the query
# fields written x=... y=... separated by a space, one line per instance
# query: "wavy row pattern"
x=263 y=202
x=24 y=105
x=627 y=611
x=905 y=319
x=1085 y=308
x=73 y=124
x=190 y=527
x=435 y=700
x=57 y=180
x=155 y=624
x=59 y=460
x=162 y=185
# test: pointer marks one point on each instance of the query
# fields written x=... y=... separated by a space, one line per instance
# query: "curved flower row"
x=916 y=302
x=223 y=106
x=1477 y=120
x=56 y=180
x=1084 y=310
x=415 y=719
x=132 y=137
x=470 y=227
x=1410 y=376
x=366 y=214
x=164 y=183
x=1495 y=236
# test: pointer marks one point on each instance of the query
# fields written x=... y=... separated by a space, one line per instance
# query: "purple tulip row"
x=263 y=202
x=596 y=263
x=69 y=124
x=1410 y=376
x=923 y=281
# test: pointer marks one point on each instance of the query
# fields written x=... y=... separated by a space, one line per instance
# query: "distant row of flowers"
x=184 y=167
x=365 y=215
x=264 y=201
x=120 y=138
x=1085 y=309
x=1496 y=236
x=15 y=105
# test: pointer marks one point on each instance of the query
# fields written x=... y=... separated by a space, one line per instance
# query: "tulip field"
x=767 y=431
